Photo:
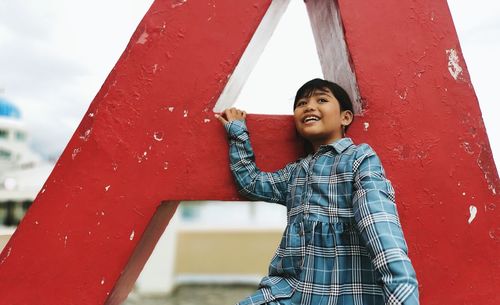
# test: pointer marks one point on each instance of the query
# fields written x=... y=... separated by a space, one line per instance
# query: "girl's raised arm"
x=252 y=182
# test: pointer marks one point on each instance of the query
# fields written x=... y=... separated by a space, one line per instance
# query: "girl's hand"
x=231 y=114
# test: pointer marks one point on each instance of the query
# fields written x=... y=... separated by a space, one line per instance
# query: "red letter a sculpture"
x=150 y=137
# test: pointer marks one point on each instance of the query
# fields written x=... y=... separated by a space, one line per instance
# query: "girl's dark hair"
x=338 y=92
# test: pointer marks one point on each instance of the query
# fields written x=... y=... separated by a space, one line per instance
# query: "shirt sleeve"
x=253 y=183
x=378 y=222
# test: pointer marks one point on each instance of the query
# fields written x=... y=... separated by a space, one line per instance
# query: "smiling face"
x=319 y=119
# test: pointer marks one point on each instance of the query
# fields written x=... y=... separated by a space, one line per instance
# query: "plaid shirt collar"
x=338 y=145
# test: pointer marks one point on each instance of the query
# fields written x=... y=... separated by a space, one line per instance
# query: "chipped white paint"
x=91 y=114
x=155 y=67
x=66 y=205
x=6 y=256
x=76 y=151
x=206 y=121
x=403 y=95
x=143 y=38
x=107 y=187
x=453 y=66
x=65 y=240
x=102 y=281
x=177 y=3
x=473 y=212
x=43 y=190
x=115 y=166
x=158 y=136
x=464 y=193
x=366 y=125
x=132 y=235
x=185 y=113
x=86 y=134
x=165 y=165
x=171 y=109
x=36 y=222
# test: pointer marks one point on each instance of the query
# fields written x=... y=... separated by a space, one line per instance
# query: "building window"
x=4 y=133
x=5 y=154
x=20 y=136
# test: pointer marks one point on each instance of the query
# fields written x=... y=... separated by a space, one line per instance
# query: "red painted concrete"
x=149 y=135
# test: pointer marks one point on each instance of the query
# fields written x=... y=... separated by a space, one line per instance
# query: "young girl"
x=343 y=242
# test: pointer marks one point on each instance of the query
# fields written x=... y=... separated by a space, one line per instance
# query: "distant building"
x=22 y=171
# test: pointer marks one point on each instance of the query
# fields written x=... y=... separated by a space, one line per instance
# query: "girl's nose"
x=309 y=107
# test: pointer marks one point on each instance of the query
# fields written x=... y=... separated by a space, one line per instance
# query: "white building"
x=22 y=171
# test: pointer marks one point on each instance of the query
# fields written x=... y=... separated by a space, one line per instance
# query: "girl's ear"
x=346 y=117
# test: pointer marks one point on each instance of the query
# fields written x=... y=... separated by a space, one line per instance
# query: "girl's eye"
x=322 y=100
x=301 y=103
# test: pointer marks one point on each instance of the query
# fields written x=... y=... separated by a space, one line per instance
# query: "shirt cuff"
x=237 y=130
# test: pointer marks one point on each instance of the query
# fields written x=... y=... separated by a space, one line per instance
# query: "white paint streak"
x=143 y=38
x=185 y=113
x=171 y=109
x=155 y=67
x=65 y=240
x=36 y=222
x=165 y=165
x=453 y=66
x=102 y=281
x=473 y=212
x=91 y=114
x=132 y=235
x=43 y=191
x=107 y=187
x=206 y=121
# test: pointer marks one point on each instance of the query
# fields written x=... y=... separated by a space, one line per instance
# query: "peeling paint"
x=107 y=187
x=102 y=281
x=86 y=135
x=6 y=256
x=143 y=38
x=91 y=114
x=453 y=66
x=76 y=151
x=115 y=166
x=65 y=240
x=155 y=67
x=473 y=213
x=365 y=126
x=186 y=113
x=486 y=166
x=206 y=121
x=36 y=222
x=158 y=136
x=132 y=235
x=165 y=165
x=468 y=148
x=171 y=109
x=176 y=3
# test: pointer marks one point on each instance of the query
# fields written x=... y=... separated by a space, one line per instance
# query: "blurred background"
x=54 y=57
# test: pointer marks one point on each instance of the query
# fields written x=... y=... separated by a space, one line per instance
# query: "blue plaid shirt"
x=343 y=243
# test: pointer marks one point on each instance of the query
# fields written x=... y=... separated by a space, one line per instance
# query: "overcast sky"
x=55 y=55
